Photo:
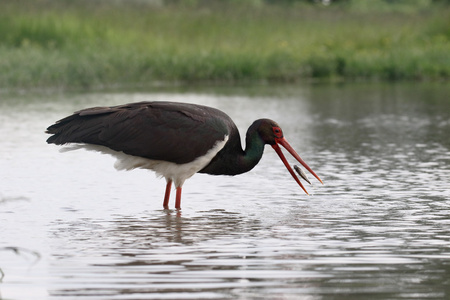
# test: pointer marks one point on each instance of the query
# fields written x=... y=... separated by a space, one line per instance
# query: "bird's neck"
x=232 y=160
x=254 y=148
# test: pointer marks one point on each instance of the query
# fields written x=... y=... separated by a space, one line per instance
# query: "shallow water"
x=379 y=228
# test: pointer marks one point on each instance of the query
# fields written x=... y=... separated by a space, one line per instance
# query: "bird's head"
x=272 y=134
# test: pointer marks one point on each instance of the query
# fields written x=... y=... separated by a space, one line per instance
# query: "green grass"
x=57 y=43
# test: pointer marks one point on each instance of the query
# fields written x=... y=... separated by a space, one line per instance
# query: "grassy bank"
x=87 y=44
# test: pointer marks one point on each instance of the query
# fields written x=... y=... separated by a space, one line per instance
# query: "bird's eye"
x=277 y=131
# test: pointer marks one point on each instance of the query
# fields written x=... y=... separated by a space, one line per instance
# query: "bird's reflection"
x=172 y=226
x=161 y=242
x=152 y=230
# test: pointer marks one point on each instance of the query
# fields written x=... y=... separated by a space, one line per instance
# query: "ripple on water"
x=221 y=254
x=377 y=229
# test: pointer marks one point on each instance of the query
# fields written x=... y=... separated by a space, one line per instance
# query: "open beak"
x=282 y=141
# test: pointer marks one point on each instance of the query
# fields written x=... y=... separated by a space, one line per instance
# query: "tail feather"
x=74 y=129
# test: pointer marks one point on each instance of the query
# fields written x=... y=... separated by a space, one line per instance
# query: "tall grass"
x=87 y=44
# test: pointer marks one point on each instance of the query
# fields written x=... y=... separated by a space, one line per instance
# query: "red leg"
x=178 y=198
x=167 y=194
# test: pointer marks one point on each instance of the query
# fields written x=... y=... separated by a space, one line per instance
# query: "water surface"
x=379 y=228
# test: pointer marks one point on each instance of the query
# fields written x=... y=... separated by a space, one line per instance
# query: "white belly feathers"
x=178 y=173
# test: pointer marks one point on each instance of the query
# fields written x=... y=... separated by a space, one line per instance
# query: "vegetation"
x=62 y=43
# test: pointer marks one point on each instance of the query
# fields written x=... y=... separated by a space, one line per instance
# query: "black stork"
x=176 y=140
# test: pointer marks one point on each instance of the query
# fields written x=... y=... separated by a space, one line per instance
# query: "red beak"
x=282 y=141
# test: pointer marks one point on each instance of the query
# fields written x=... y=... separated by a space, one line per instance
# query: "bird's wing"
x=174 y=132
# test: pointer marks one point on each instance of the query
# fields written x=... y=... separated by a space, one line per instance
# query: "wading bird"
x=176 y=140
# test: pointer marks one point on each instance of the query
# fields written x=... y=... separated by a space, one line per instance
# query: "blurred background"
x=89 y=44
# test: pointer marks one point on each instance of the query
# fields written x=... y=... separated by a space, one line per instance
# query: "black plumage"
x=169 y=131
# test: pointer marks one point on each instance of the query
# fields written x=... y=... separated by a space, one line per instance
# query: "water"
x=379 y=228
